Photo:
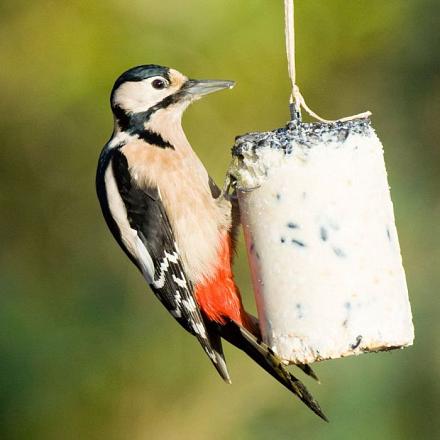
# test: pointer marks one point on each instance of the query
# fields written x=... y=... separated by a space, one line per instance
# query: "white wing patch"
x=211 y=354
x=181 y=282
x=199 y=329
x=177 y=313
x=190 y=304
x=129 y=236
x=163 y=268
x=132 y=241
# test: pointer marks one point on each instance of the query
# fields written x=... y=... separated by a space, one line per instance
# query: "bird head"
x=143 y=92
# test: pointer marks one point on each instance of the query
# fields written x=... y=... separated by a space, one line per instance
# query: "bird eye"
x=158 y=84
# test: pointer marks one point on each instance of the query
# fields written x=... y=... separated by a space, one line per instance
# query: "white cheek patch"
x=139 y=96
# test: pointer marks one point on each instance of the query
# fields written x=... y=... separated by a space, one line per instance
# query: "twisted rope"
x=296 y=99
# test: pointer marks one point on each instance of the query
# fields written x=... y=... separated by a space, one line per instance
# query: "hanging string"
x=289 y=15
x=296 y=99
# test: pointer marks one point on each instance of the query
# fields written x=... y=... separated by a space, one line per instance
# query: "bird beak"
x=197 y=88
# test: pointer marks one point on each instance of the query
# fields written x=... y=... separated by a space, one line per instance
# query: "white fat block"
x=322 y=242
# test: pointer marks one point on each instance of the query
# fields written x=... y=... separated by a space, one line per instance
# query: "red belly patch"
x=219 y=297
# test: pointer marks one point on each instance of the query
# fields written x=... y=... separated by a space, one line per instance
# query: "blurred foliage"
x=86 y=351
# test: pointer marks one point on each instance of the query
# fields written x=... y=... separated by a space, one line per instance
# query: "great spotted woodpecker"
x=172 y=220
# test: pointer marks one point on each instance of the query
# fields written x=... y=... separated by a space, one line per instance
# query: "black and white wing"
x=148 y=239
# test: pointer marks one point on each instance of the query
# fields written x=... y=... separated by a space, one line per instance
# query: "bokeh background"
x=85 y=350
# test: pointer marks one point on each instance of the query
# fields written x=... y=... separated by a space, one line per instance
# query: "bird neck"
x=162 y=128
x=167 y=123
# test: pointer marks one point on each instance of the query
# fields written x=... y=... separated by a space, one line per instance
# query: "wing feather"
x=147 y=217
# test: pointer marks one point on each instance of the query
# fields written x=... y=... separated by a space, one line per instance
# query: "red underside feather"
x=219 y=298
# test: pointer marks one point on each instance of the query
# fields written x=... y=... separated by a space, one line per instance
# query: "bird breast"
x=198 y=220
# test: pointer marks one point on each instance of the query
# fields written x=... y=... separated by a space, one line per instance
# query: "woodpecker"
x=173 y=222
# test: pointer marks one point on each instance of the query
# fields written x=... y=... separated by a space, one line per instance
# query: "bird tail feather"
x=254 y=327
x=219 y=360
x=269 y=361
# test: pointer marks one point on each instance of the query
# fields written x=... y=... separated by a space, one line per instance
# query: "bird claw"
x=230 y=185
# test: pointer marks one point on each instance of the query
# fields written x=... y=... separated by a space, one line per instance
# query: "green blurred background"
x=85 y=350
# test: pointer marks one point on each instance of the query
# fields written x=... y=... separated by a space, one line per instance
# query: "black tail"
x=307 y=369
x=266 y=358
